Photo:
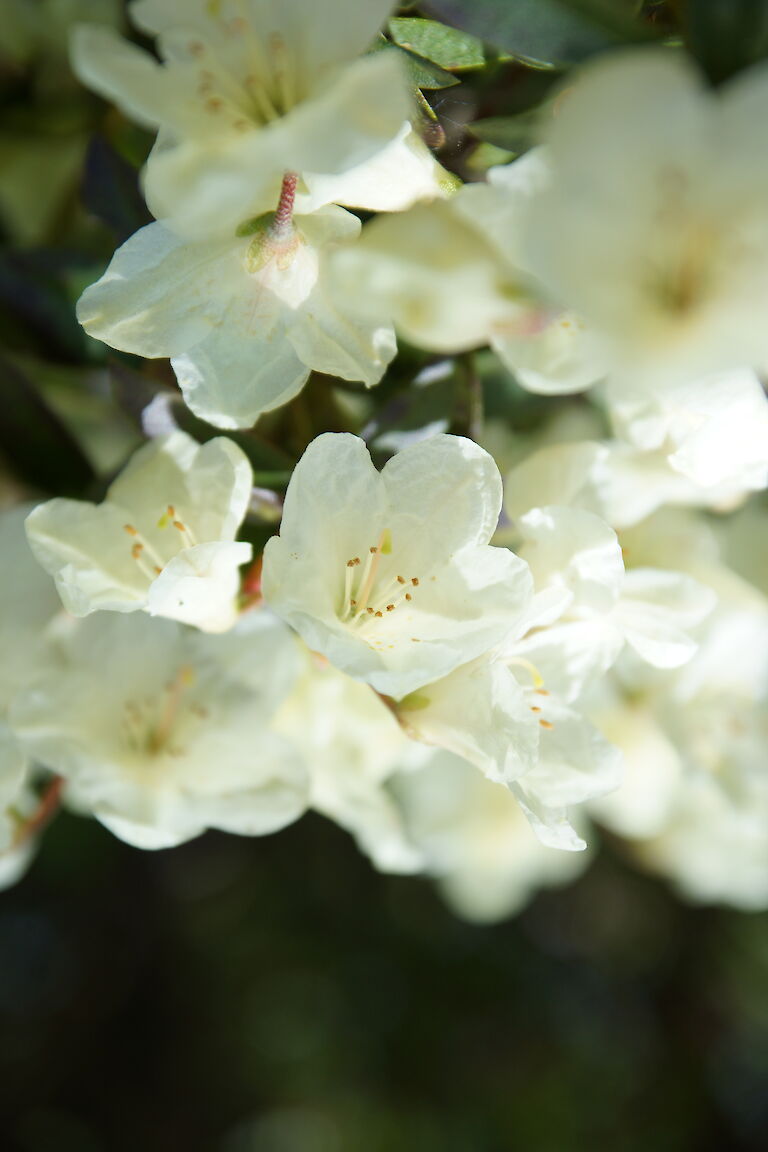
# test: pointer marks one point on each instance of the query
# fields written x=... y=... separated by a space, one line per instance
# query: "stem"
x=473 y=387
x=47 y=807
x=284 y=211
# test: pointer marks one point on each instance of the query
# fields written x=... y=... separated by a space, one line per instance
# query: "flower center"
x=147 y=557
x=151 y=723
x=266 y=86
x=367 y=596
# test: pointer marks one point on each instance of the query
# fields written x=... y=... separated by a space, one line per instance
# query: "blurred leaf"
x=726 y=36
x=549 y=32
x=33 y=291
x=446 y=47
x=36 y=443
x=111 y=190
x=512 y=133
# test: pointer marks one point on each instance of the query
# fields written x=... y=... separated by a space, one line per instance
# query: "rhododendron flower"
x=653 y=226
x=244 y=93
x=244 y=318
x=390 y=574
x=176 y=738
x=162 y=541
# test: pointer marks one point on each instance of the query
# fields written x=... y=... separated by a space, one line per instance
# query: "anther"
x=137 y=550
x=378 y=613
x=408 y=596
x=401 y=579
x=546 y=724
x=415 y=581
x=390 y=607
x=129 y=528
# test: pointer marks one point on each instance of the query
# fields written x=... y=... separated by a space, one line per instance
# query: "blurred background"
x=278 y=995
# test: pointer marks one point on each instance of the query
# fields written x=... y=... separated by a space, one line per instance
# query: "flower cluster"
x=467 y=640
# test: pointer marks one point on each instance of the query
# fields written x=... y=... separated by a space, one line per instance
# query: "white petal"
x=393 y=179
x=126 y=75
x=656 y=611
x=200 y=586
x=210 y=190
x=83 y=546
x=480 y=713
x=161 y=294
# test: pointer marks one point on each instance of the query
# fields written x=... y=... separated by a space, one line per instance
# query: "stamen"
x=532 y=670
x=158 y=737
x=137 y=552
x=546 y=724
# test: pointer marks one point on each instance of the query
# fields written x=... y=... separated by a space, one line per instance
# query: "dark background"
x=277 y=995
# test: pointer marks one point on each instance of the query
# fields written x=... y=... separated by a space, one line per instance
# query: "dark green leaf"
x=424 y=74
x=34 y=441
x=726 y=36
x=36 y=304
x=447 y=47
x=111 y=190
x=550 y=32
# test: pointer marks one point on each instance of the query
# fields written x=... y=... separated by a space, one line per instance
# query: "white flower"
x=246 y=92
x=244 y=318
x=28 y=605
x=162 y=541
x=602 y=606
x=475 y=839
x=713 y=432
x=351 y=744
x=175 y=737
x=451 y=275
x=496 y=713
x=389 y=574
x=654 y=224
x=679 y=446
x=694 y=801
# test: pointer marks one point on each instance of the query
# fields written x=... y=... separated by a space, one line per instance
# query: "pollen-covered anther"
x=546 y=724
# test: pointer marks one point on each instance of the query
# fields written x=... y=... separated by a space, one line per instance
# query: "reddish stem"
x=46 y=809
x=284 y=212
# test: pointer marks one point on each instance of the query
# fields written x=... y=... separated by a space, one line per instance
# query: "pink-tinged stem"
x=47 y=807
x=284 y=212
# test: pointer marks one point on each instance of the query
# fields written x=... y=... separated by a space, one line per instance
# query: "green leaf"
x=35 y=442
x=512 y=133
x=447 y=47
x=546 y=32
x=423 y=73
x=726 y=36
